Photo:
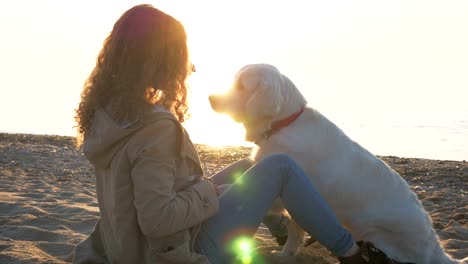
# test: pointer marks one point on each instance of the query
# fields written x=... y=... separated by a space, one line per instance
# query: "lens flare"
x=243 y=248
x=236 y=177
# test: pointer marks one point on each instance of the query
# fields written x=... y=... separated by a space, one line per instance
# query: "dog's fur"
x=370 y=199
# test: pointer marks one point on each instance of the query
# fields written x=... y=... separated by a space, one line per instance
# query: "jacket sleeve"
x=160 y=210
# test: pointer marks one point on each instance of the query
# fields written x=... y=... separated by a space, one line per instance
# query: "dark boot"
x=278 y=227
x=281 y=240
x=368 y=254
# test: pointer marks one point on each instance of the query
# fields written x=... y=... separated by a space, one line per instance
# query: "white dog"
x=371 y=200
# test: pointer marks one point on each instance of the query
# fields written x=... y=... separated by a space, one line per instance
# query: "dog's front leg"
x=310 y=241
x=295 y=239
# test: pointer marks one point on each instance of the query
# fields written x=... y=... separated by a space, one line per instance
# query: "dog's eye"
x=239 y=87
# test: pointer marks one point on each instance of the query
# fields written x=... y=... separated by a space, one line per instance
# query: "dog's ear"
x=267 y=99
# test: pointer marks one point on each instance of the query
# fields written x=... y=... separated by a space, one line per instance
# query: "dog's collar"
x=278 y=125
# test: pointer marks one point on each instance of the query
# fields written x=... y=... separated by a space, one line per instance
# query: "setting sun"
x=220 y=44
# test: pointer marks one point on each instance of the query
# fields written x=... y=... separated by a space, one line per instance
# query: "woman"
x=155 y=205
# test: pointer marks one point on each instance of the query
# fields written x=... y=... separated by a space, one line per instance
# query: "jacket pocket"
x=173 y=249
x=179 y=254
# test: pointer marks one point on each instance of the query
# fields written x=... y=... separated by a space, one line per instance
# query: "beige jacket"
x=150 y=195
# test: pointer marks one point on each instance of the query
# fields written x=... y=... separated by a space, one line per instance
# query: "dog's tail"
x=439 y=255
x=432 y=250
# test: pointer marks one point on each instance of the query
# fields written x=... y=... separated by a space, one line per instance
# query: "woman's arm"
x=162 y=211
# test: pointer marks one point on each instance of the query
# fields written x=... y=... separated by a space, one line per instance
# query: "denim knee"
x=279 y=159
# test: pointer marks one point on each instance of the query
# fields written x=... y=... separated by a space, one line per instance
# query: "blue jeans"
x=243 y=206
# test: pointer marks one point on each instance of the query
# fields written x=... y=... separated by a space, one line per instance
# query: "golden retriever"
x=371 y=200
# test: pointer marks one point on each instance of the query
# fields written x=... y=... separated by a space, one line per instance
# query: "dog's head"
x=259 y=95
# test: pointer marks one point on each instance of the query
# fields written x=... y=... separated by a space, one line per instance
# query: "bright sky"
x=350 y=58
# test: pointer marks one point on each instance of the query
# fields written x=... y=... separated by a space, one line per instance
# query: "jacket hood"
x=106 y=137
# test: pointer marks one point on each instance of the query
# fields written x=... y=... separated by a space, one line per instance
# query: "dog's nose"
x=211 y=99
x=213 y=102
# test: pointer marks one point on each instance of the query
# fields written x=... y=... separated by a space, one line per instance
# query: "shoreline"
x=48 y=203
x=61 y=139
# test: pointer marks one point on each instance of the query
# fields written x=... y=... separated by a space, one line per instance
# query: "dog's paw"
x=309 y=241
x=282 y=253
x=285 y=252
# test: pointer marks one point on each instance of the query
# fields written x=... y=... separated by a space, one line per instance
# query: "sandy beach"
x=48 y=203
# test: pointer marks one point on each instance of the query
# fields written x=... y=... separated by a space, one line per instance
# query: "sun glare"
x=228 y=49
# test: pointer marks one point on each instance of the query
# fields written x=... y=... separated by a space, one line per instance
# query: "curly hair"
x=143 y=60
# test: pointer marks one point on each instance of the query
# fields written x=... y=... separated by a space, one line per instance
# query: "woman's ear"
x=267 y=100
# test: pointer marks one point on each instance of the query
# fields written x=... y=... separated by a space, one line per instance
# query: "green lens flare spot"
x=245 y=246
x=244 y=249
x=236 y=176
x=246 y=260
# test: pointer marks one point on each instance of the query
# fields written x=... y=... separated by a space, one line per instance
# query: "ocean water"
x=432 y=135
x=413 y=134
